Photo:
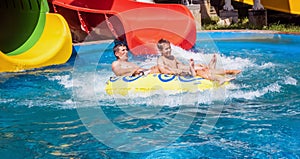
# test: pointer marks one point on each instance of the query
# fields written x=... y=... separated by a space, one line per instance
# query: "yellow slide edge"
x=287 y=6
x=54 y=47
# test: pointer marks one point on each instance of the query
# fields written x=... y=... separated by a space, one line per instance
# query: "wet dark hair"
x=116 y=48
x=162 y=41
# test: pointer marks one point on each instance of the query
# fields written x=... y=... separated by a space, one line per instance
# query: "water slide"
x=287 y=6
x=140 y=24
x=31 y=37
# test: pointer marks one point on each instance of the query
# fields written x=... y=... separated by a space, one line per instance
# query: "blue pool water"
x=64 y=112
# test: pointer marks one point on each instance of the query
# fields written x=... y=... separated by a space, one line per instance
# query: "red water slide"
x=140 y=24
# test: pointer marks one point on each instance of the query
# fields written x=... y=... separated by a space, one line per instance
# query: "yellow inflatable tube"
x=53 y=47
x=125 y=85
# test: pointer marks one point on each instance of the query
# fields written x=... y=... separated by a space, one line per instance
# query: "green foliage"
x=244 y=24
x=283 y=27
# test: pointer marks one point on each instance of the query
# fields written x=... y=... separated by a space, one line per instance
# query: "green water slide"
x=30 y=37
x=23 y=24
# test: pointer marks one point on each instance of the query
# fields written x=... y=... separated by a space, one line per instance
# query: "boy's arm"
x=183 y=69
x=192 y=69
x=178 y=62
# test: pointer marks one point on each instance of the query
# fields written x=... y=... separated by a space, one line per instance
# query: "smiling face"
x=166 y=49
x=122 y=53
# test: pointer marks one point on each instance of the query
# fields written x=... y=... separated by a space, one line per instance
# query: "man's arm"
x=121 y=71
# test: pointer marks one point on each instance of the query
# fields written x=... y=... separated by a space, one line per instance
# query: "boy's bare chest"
x=126 y=65
x=170 y=62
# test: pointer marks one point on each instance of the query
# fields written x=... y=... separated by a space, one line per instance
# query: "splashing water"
x=259 y=117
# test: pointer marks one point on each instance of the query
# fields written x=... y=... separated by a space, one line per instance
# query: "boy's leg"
x=203 y=74
x=222 y=80
x=225 y=72
x=213 y=62
x=232 y=72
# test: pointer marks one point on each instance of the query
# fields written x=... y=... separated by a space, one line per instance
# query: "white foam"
x=164 y=98
x=223 y=62
x=92 y=85
x=290 y=80
x=65 y=80
x=69 y=104
x=275 y=87
x=236 y=63
x=149 y=62
x=252 y=94
x=266 y=65
x=87 y=90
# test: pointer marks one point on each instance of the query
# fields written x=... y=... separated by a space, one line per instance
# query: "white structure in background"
x=147 y=1
x=187 y=2
x=228 y=5
x=257 y=5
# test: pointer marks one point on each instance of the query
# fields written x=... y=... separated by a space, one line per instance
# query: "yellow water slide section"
x=53 y=47
x=287 y=6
